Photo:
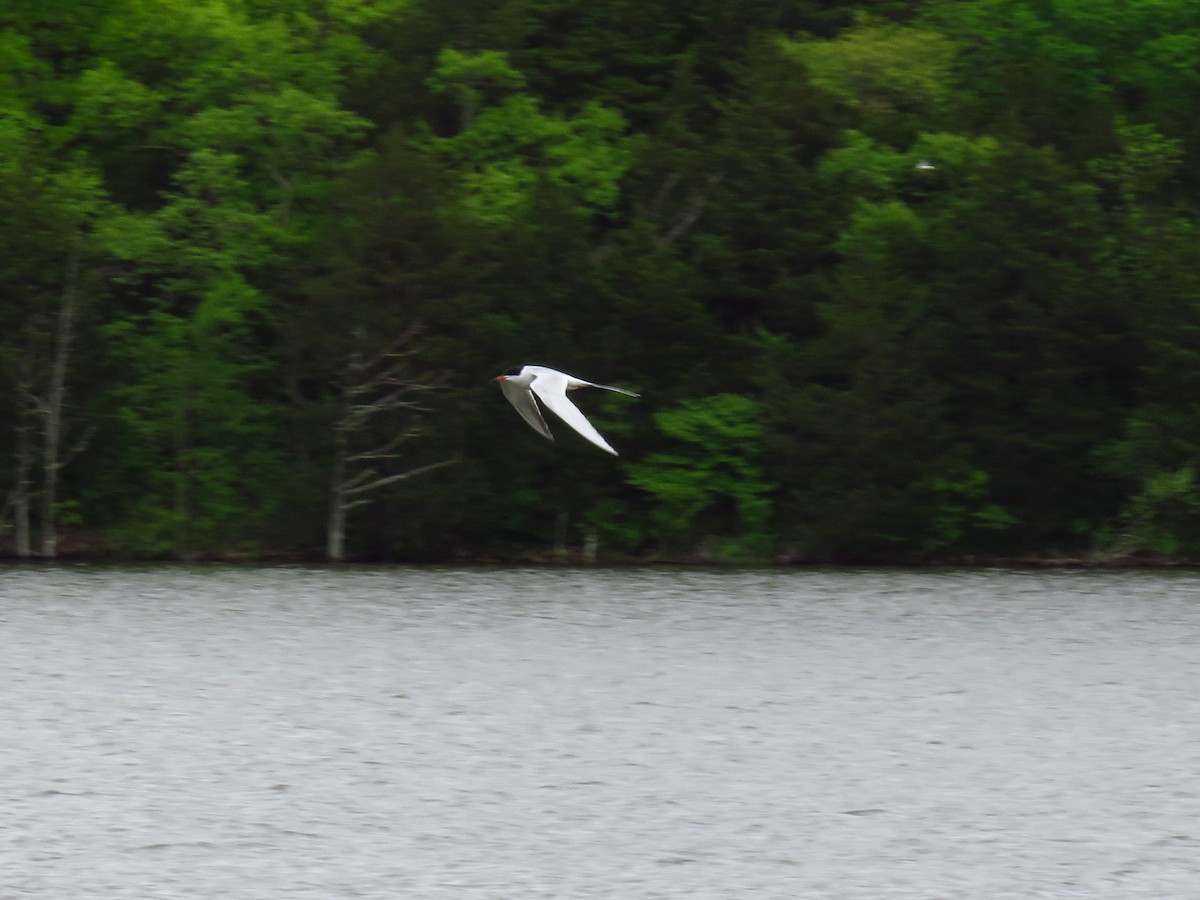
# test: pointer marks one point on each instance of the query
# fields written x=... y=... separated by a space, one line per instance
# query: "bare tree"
x=671 y=225
x=685 y=218
x=52 y=409
x=373 y=389
x=46 y=405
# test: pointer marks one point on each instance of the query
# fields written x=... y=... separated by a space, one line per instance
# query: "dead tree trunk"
x=591 y=543
x=339 y=503
x=373 y=389
x=53 y=407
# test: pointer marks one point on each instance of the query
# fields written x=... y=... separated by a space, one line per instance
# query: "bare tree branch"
x=374 y=388
x=401 y=476
x=78 y=447
x=687 y=218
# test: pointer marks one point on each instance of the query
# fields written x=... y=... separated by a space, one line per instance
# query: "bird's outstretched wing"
x=551 y=388
x=522 y=400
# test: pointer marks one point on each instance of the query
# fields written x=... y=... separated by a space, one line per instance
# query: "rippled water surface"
x=512 y=733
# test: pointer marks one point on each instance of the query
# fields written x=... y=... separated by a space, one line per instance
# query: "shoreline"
x=83 y=553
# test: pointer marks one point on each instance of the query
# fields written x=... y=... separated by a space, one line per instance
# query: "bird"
x=551 y=386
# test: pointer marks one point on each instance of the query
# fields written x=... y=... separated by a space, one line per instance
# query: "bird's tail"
x=609 y=387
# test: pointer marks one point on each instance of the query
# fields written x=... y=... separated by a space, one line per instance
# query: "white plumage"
x=551 y=386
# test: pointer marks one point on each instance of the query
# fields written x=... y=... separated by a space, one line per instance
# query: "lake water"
x=288 y=732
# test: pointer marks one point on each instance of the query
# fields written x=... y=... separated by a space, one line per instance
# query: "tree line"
x=897 y=281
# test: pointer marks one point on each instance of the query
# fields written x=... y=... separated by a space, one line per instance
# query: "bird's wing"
x=522 y=399
x=572 y=382
x=551 y=388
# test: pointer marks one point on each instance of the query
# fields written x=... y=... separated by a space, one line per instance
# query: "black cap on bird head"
x=511 y=373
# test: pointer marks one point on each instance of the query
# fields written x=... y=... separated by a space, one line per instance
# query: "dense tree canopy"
x=896 y=281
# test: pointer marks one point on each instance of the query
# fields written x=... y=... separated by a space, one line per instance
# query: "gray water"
x=512 y=733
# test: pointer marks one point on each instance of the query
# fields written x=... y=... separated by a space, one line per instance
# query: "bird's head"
x=510 y=375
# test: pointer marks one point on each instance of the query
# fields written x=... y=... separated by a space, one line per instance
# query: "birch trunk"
x=335 y=532
x=52 y=413
x=591 y=543
x=374 y=389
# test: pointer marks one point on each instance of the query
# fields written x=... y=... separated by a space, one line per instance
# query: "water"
x=476 y=733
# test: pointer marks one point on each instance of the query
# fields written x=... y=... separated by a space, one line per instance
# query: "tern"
x=551 y=386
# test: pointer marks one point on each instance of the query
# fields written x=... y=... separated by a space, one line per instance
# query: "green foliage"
x=1161 y=517
x=197 y=460
x=1161 y=513
x=1164 y=516
x=889 y=75
x=714 y=483
x=961 y=506
x=506 y=150
x=471 y=78
x=1143 y=166
x=895 y=280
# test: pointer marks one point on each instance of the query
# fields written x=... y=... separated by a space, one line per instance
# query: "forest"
x=911 y=282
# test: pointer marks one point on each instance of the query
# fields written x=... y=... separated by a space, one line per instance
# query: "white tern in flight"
x=551 y=386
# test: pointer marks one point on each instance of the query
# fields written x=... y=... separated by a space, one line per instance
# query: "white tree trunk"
x=373 y=388
x=335 y=531
x=591 y=543
x=52 y=412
